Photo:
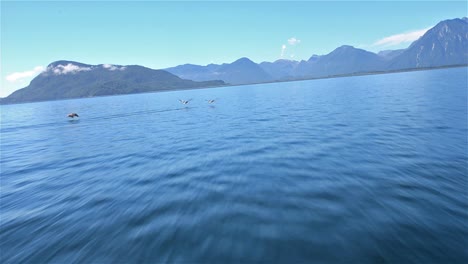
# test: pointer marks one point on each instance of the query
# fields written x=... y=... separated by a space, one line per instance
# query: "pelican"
x=185 y=101
x=72 y=115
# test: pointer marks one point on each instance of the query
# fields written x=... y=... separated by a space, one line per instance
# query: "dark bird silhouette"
x=211 y=101
x=72 y=115
x=185 y=101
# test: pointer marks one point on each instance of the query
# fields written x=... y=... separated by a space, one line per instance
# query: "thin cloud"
x=19 y=76
x=283 y=49
x=293 y=41
x=111 y=67
x=69 y=68
x=398 y=39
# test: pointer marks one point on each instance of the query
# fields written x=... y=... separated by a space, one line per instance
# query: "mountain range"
x=446 y=44
x=443 y=45
x=69 y=79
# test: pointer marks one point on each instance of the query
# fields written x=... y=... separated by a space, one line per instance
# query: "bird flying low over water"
x=185 y=101
x=72 y=115
x=211 y=101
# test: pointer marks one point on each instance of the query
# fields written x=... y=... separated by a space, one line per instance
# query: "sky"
x=159 y=34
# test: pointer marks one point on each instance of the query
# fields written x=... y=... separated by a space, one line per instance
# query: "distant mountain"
x=241 y=71
x=445 y=44
x=69 y=79
x=195 y=72
x=390 y=54
x=280 y=69
x=343 y=60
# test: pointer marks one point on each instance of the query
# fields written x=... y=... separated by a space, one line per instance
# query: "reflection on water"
x=369 y=169
x=73 y=121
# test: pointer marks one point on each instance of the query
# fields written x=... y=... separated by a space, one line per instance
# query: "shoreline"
x=269 y=82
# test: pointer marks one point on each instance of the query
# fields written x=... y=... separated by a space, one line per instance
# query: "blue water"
x=369 y=169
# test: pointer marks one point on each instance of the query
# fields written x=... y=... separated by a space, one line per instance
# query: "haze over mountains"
x=443 y=45
x=446 y=44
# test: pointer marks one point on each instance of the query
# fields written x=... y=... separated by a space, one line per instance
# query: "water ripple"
x=369 y=169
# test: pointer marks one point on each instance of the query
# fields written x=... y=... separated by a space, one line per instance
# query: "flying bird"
x=72 y=115
x=211 y=101
x=185 y=101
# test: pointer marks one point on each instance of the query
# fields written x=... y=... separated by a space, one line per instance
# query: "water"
x=369 y=169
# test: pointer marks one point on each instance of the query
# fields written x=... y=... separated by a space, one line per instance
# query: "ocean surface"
x=368 y=169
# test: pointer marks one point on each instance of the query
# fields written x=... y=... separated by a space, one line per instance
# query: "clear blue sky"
x=165 y=34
